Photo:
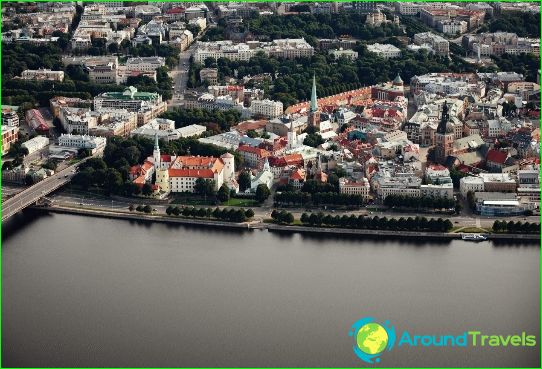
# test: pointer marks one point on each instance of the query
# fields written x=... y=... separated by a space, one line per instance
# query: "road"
x=89 y=200
x=34 y=193
x=180 y=76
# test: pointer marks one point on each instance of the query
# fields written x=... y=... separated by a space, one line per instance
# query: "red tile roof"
x=254 y=150
x=497 y=156
x=194 y=173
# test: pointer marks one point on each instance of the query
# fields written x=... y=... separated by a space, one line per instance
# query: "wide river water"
x=83 y=291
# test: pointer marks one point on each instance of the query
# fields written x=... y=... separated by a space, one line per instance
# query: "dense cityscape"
x=361 y=108
x=270 y=184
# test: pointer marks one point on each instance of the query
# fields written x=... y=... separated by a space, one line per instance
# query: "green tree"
x=223 y=193
x=146 y=190
x=262 y=193
x=244 y=181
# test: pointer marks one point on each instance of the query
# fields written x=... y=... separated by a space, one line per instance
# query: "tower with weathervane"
x=444 y=136
x=162 y=174
x=314 y=112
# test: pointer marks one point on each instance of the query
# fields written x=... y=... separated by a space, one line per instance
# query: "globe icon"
x=372 y=338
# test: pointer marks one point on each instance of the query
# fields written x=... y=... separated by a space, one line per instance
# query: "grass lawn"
x=474 y=230
x=241 y=202
x=192 y=200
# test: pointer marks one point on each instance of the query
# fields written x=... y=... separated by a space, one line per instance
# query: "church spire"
x=314 y=103
x=156 y=146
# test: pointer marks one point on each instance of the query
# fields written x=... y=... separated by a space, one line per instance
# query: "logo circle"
x=372 y=338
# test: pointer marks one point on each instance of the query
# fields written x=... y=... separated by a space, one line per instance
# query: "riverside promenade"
x=272 y=227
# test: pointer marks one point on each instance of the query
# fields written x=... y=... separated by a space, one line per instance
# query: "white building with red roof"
x=180 y=173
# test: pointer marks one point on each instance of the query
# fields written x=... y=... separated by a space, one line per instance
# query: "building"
x=443 y=190
x=209 y=75
x=130 y=99
x=165 y=130
x=253 y=157
x=498 y=182
x=10 y=135
x=267 y=108
x=444 y=137
x=470 y=184
x=145 y=64
x=36 y=122
x=35 y=144
x=180 y=173
x=386 y=51
x=355 y=187
x=95 y=144
x=314 y=112
x=279 y=48
x=438 y=44
x=43 y=75
x=349 y=54
x=10 y=118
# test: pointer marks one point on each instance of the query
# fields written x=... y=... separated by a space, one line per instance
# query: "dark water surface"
x=82 y=291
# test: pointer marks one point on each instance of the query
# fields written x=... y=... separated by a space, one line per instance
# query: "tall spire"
x=156 y=146
x=314 y=103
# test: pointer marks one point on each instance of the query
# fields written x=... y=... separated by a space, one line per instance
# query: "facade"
x=280 y=48
x=145 y=64
x=472 y=184
x=268 y=108
x=386 y=51
x=209 y=75
x=43 y=75
x=438 y=44
x=253 y=157
x=35 y=144
x=10 y=135
x=96 y=144
x=10 y=118
x=355 y=187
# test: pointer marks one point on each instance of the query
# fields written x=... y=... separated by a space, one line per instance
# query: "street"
x=71 y=198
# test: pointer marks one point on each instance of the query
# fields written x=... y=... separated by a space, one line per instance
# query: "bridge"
x=32 y=194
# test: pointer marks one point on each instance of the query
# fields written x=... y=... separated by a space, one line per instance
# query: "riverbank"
x=272 y=227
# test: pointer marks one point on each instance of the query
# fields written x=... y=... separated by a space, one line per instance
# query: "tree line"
x=363 y=222
x=502 y=226
x=225 y=214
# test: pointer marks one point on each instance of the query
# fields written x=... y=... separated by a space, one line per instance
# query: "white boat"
x=473 y=237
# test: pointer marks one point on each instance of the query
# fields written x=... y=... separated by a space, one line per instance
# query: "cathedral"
x=444 y=136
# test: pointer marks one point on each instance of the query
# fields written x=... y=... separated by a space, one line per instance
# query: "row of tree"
x=282 y=217
x=319 y=198
x=502 y=226
x=225 y=214
x=377 y=223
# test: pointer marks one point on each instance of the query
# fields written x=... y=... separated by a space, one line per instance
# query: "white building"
x=145 y=64
x=444 y=190
x=350 y=54
x=474 y=184
x=386 y=51
x=35 y=144
x=96 y=144
x=268 y=108
x=355 y=187
x=43 y=74
x=285 y=48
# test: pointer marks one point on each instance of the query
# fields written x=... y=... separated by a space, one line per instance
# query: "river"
x=83 y=291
